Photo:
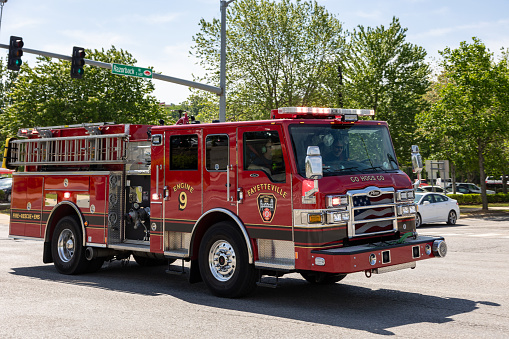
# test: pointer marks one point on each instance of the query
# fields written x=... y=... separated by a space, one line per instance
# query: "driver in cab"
x=335 y=158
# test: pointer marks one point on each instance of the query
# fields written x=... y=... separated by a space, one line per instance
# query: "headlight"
x=411 y=195
x=345 y=216
x=337 y=217
x=406 y=209
x=336 y=200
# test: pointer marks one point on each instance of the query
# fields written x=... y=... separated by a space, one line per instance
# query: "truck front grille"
x=373 y=211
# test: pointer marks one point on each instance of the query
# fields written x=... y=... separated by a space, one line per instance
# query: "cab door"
x=219 y=172
x=264 y=182
x=183 y=203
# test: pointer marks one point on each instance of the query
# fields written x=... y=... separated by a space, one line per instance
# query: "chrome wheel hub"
x=222 y=260
x=66 y=245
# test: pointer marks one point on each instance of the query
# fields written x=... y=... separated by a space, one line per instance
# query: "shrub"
x=475 y=199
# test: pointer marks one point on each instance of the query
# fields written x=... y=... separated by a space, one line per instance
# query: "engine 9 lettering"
x=182 y=201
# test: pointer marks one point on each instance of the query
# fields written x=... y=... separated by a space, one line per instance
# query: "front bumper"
x=376 y=257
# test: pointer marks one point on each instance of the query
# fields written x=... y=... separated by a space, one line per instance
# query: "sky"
x=159 y=33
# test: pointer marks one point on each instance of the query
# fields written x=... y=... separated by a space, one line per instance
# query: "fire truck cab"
x=312 y=190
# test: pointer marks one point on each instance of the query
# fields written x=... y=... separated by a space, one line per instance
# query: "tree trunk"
x=484 y=197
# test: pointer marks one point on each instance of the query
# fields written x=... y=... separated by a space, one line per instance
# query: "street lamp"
x=2 y=3
x=222 y=69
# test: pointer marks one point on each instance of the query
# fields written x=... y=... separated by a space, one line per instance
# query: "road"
x=462 y=295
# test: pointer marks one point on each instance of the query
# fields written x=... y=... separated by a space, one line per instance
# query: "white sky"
x=159 y=32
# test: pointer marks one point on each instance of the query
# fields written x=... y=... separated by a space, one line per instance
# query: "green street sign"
x=131 y=71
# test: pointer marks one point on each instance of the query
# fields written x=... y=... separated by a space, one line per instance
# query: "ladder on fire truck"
x=45 y=149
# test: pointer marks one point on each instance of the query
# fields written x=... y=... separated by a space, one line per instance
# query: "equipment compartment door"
x=183 y=179
x=265 y=182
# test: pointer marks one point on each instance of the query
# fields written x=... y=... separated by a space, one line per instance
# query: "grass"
x=498 y=204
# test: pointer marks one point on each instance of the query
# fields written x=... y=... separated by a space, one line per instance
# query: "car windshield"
x=6 y=183
x=472 y=187
x=345 y=149
x=417 y=197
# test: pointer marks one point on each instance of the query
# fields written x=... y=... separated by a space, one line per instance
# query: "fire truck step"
x=269 y=284
x=177 y=270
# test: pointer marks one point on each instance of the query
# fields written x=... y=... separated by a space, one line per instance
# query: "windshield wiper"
x=391 y=159
x=374 y=168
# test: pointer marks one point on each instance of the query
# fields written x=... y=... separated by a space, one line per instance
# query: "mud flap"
x=194 y=272
x=46 y=254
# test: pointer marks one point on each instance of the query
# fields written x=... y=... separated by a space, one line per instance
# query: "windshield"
x=5 y=183
x=345 y=149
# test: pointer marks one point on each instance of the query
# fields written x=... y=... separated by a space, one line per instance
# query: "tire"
x=322 y=278
x=224 y=264
x=452 y=218
x=418 y=220
x=67 y=247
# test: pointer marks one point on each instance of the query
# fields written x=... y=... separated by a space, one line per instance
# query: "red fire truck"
x=316 y=191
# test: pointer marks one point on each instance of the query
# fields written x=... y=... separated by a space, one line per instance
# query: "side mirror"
x=417 y=165
x=314 y=163
x=426 y=203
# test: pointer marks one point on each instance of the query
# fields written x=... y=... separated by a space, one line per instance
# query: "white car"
x=435 y=207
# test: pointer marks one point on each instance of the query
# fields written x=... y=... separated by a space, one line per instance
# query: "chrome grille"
x=373 y=211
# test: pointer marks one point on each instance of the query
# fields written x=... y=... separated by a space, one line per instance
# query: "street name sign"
x=131 y=71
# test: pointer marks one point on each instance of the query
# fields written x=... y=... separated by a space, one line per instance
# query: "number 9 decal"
x=182 y=200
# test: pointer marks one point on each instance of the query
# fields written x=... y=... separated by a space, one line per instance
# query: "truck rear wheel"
x=67 y=247
x=322 y=278
x=224 y=264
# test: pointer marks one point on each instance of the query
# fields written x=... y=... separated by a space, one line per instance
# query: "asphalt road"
x=462 y=295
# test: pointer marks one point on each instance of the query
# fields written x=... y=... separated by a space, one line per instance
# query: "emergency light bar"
x=321 y=112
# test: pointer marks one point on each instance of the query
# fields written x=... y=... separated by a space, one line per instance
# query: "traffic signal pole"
x=162 y=77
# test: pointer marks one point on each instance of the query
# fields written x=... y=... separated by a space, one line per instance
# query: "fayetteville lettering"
x=267 y=187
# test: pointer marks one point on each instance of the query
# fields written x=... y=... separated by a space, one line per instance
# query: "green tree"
x=45 y=95
x=472 y=110
x=384 y=72
x=278 y=54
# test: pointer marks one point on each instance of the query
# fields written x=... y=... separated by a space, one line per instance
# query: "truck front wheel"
x=224 y=264
x=67 y=247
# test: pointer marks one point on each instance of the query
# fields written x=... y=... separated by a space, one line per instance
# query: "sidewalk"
x=478 y=212
x=4 y=219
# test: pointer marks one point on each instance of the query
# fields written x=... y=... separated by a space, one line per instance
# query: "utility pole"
x=222 y=69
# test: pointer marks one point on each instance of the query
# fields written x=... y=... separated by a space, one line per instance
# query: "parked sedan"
x=435 y=207
x=468 y=188
x=5 y=186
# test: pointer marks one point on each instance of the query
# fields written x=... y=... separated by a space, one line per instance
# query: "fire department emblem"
x=267 y=206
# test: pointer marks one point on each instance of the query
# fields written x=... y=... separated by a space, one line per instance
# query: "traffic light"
x=15 y=52
x=78 y=55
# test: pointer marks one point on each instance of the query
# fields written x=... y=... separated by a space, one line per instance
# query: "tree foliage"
x=45 y=95
x=278 y=54
x=471 y=112
x=384 y=72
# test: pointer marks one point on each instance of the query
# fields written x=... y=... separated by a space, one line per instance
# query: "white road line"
x=486 y=235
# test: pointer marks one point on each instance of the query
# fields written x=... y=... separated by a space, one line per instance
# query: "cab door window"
x=184 y=152
x=216 y=152
x=262 y=152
